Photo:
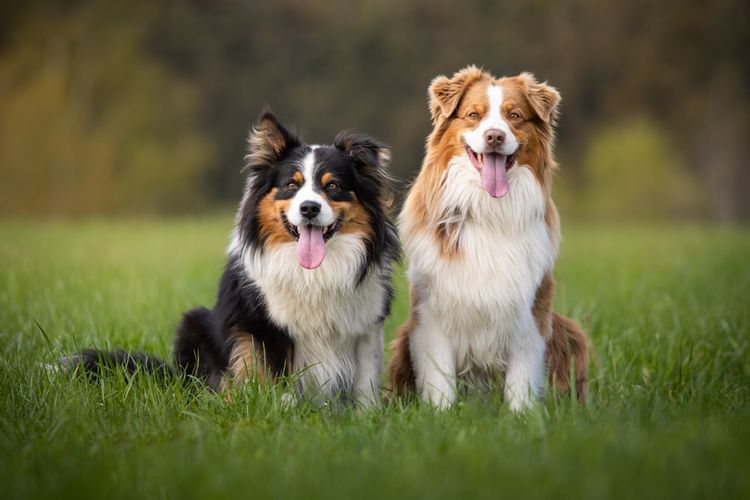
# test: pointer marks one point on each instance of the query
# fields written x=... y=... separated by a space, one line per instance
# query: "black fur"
x=94 y=362
x=205 y=337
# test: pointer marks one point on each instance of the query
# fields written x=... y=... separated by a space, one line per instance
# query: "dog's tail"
x=568 y=355
x=193 y=342
x=401 y=370
x=94 y=361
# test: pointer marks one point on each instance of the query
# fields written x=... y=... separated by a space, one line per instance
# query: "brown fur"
x=246 y=360
x=271 y=226
x=543 y=306
x=401 y=370
x=568 y=348
x=266 y=142
x=452 y=100
x=355 y=218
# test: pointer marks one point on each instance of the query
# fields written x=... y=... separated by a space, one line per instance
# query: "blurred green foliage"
x=90 y=124
x=630 y=171
x=111 y=107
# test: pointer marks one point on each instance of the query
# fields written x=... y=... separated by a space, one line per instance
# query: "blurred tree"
x=630 y=172
x=179 y=83
x=91 y=125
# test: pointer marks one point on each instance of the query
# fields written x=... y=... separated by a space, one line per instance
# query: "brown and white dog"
x=481 y=234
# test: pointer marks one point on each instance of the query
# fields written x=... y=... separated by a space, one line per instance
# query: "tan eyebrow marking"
x=298 y=177
x=327 y=177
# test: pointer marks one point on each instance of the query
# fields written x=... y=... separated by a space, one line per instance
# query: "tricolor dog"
x=307 y=284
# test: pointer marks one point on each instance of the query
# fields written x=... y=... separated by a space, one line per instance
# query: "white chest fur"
x=325 y=312
x=482 y=297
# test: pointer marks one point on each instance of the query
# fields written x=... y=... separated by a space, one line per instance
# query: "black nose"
x=309 y=209
x=494 y=137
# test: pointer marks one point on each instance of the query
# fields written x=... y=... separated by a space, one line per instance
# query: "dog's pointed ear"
x=268 y=141
x=445 y=93
x=543 y=98
x=364 y=149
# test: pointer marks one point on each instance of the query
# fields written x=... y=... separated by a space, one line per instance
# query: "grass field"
x=668 y=310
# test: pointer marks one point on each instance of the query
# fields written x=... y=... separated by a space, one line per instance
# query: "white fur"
x=492 y=120
x=335 y=324
x=475 y=310
x=369 y=354
x=307 y=193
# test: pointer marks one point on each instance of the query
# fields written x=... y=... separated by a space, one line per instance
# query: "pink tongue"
x=311 y=249
x=494 y=177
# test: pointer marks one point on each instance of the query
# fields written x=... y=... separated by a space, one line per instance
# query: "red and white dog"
x=482 y=234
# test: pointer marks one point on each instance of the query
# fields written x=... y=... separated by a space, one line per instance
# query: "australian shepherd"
x=481 y=235
x=307 y=284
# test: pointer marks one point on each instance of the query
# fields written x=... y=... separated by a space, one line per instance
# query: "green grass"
x=668 y=310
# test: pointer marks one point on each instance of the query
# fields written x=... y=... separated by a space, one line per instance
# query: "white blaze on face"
x=307 y=192
x=311 y=249
x=492 y=120
x=491 y=161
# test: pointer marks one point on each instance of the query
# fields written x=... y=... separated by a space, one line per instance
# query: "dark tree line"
x=155 y=98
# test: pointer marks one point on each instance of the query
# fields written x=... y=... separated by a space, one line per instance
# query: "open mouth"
x=328 y=231
x=493 y=170
x=311 y=246
x=478 y=158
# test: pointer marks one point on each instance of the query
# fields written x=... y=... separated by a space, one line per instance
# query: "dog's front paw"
x=438 y=400
x=521 y=401
x=288 y=400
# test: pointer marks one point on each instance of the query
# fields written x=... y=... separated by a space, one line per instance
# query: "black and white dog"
x=307 y=284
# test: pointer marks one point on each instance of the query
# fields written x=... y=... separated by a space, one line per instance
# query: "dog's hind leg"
x=197 y=350
x=247 y=361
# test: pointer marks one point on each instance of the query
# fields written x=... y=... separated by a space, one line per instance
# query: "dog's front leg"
x=369 y=356
x=434 y=363
x=524 y=377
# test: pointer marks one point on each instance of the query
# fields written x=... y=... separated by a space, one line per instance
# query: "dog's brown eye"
x=514 y=116
x=474 y=115
x=332 y=186
x=292 y=185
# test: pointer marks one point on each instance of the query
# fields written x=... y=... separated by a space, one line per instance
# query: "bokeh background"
x=110 y=108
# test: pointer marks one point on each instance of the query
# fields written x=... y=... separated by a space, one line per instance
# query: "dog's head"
x=497 y=123
x=307 y=195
